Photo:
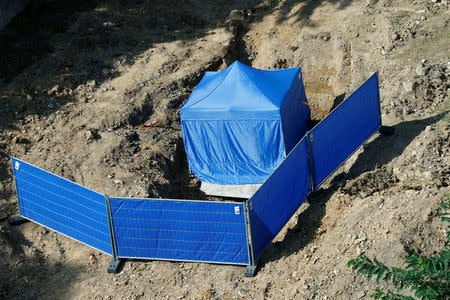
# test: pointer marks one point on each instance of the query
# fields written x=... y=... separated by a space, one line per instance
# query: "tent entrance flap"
x=233 y=152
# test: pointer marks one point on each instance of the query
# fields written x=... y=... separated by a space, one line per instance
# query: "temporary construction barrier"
x=195 y=230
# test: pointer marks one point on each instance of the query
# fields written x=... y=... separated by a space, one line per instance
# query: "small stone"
x=407 y=86
x=321 y=230
x=29 y=97
x=17 y=140
x=89 y=135
x=117 y=181
x=110 y=176
x=38 y=138
x=91 y=83
x=420 y=70
x=54 y=90
x=358 y=250
x=427 y=214
x=437 y=182
x=361 y=294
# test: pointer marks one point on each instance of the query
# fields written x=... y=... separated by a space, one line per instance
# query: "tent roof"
x=239 y=92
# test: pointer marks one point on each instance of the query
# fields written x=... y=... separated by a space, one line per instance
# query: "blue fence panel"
x=279 y=197
x=345 y=129
x=180 y=230
x=62 y=205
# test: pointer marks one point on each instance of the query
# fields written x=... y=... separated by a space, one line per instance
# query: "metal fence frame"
x=251 y=269
x=115 y=264
x=240 y=204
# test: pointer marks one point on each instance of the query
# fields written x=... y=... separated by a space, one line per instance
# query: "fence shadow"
x=381 y=151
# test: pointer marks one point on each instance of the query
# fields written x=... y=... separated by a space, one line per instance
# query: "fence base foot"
x=250 y=270
x=115 y=265
x=386 y=130
x=17 y=220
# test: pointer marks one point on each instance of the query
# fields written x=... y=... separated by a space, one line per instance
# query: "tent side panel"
x=233 y=151
x=279 y=198
x=344 y=130
x=294 y=114
x=180 y=230
x=62 y=205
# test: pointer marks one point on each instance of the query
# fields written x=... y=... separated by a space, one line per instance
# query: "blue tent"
x=240 y=123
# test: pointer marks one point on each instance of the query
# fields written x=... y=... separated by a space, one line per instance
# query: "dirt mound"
x=75 y=106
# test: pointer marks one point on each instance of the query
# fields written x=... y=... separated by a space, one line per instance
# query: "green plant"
x=427 y=277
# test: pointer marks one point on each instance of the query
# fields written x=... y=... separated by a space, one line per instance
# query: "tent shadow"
x=380 y=151
x=180 y=185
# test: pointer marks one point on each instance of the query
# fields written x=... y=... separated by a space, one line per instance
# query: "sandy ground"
x=77 y=83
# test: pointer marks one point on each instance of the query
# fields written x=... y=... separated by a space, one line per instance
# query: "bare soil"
x=78 y=79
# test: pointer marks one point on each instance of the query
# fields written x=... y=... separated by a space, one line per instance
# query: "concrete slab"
x=244 y=191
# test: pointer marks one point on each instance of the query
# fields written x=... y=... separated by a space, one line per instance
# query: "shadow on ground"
x=65 y=44
x=307 y=8
x=24 y=270
x=381 y=151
